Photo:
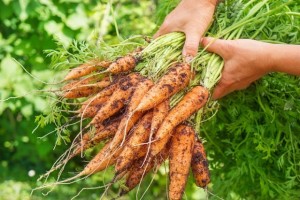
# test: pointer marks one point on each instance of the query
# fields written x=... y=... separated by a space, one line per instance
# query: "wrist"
x=270 y=57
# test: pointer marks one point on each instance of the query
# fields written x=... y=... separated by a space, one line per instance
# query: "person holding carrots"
x=245 y=60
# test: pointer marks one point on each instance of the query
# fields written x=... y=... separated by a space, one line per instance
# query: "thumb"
x=191 y=45
x=217 y=46
x=219 y=92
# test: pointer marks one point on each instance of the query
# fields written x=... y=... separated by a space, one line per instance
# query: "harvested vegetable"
x=176 y=79
x=86 y=69
x=200 y=165
x=181 y=149
x=190 y=103
x=163 y=81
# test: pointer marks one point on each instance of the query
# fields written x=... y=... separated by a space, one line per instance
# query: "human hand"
x=192 y=17
x=245 y=62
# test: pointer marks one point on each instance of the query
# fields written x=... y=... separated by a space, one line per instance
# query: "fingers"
x=164 y=29
x=219 y=92
x=191 y=45
x=161 y=31
x=223 y=89
x=220 y=47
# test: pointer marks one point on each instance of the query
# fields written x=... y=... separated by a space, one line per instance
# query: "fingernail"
x=188 y=58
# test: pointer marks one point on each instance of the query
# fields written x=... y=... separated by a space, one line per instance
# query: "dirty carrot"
x=122 y=64
x=117 y=99
x=137 y=171
x=181 y=148
x=173 y=81
x=200 y=165
x=138 y=136
x=189 y=104
x=86 y=69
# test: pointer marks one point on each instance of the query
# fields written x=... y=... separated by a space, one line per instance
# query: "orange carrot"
x=189 y=104
x=88 y=111
x=81 y=92
x=90 y=139
x=159 y=114
x=176 y=79
x=130 y=118
x=117 y=100
x=83 y=81
x=124 y=127
x=122 y=64
x=200 y=165
x=86 y=68
x=137 y=171
x=102 y=96
x=101 y=161
x=181 y=148
x=142 y=88
x=139 y=134
x=85 y=87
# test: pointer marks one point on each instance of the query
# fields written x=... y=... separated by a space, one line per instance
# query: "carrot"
x=86 y=68
x=88 y=111
x=159 y=114
x=200 y=165
x=94 y=81
x=80 y=92
x=189 y=104
x=84 y=81
x=137 y=171
x=102 y=160
x=176 y=79
x=122 y=64
x=140 y=134
x=85 y=87
x=117 y=100
x=124 y=127
x=130 y=118
x=89 y=140
x=103 y=95
x=100 y=98
x=181 y=148
x=143 y=87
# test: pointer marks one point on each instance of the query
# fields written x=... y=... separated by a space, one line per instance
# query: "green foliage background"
x=253 y=142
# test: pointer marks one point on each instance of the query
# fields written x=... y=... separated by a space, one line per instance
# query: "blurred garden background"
x=253 y=145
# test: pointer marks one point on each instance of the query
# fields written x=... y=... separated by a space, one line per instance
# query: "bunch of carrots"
x=143 y=107
x=131 y=115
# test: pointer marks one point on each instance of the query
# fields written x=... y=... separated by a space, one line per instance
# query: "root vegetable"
x=140 y=134
x=138 y=171
x=175 y=80
x=190 y=103
x=88 y=111
x=118 y=99
x=200 y=165
x=122 y=64
x=86 y=69
x=181 y=148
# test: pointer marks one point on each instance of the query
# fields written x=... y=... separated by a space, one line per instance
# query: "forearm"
x=286 y=58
